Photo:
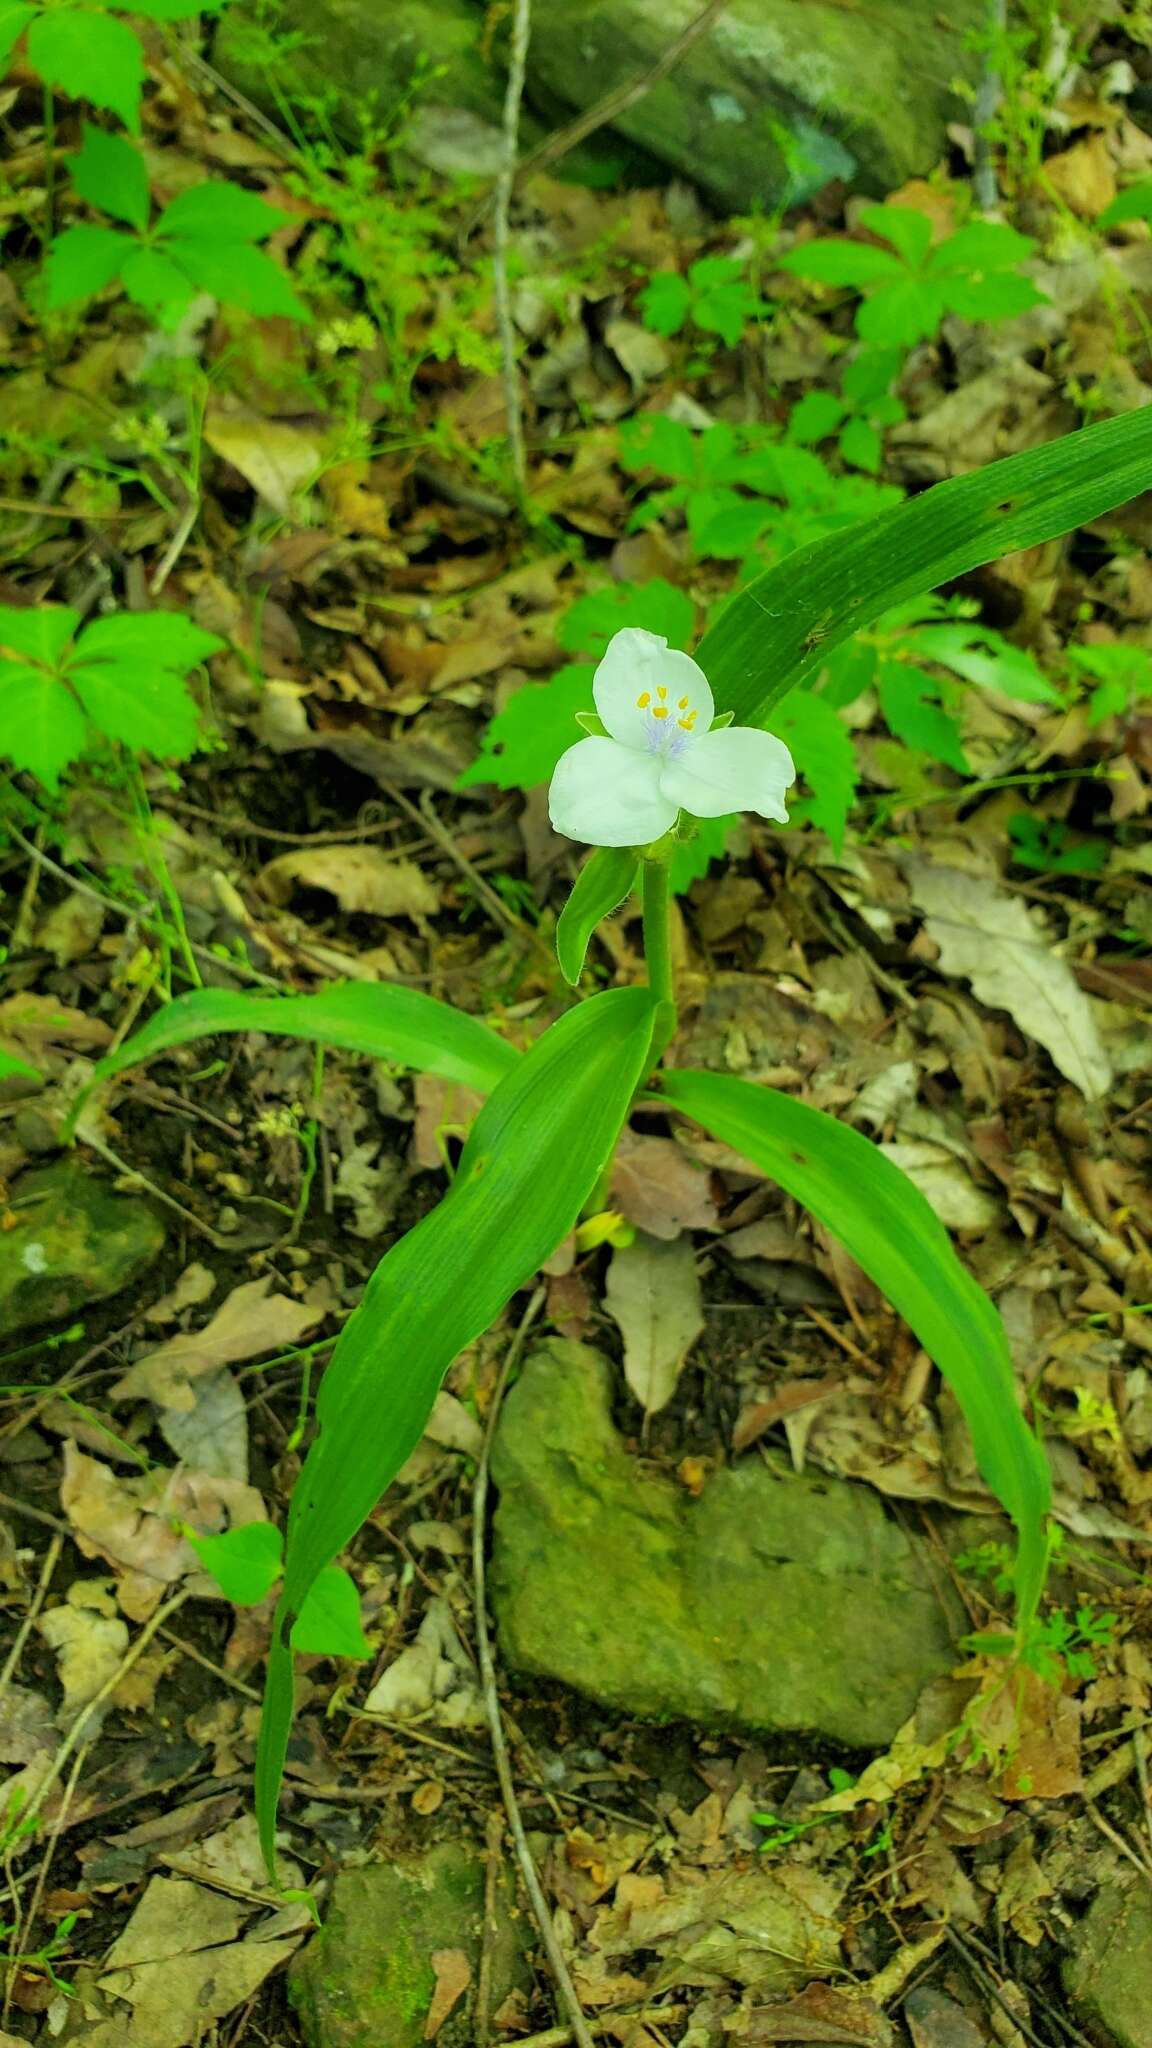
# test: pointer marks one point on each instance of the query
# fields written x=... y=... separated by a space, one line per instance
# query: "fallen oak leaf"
x=250 y=1321
x=995 y=943
x=134 y=1523
x=363 y=879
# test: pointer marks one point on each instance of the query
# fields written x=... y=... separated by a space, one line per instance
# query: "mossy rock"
x=774 y=1602
x=71 y=1242
x=1108 y=1976
x=777 y=98
x=367 y=1979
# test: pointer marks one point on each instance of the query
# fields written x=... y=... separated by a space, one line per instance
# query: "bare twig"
x=51 y=1559
x=521 y=28
x=984 y=185
x=622 y=99
x=581 y=2032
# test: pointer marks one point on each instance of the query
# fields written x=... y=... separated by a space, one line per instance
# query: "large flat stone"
x=775 y=1601
x=777 y=98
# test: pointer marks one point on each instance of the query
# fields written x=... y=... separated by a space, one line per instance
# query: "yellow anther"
x=683 y=704
x=687 y=723
x=659 y=711
x=660 y=690
x=643 y=700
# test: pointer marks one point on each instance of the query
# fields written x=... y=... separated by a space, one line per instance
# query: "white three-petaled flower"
x=660 y=756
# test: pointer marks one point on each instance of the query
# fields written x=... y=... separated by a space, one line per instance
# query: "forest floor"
x=948 y=946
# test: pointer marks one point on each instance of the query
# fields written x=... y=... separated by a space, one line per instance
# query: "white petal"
x=638 y=664
x=609 y=795
x=737 y=769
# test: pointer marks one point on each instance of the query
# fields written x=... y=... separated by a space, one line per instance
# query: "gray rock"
x=775 y=1601
x=72 y=1242
x=367 y=1979
x=1108 y=1976
x=777 y=97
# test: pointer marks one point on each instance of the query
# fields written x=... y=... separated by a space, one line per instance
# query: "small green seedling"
x=87 y=52
x=246 y=1563
x=715 y=296
x=203 y=241
x=908 y=287
x=121 y=678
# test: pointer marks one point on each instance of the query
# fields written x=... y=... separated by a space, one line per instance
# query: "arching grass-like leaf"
x=888 y=1227
x=535 y=1154
x=786 y=622
x=398 y=1024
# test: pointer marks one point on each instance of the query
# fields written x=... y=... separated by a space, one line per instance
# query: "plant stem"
x=506 y=328
x=657 y=947
x=49 y=164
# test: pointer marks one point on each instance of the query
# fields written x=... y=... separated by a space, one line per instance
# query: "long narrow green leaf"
x=785 y=623
x=535 y=1154
x=399 y=1024
x=600 y=888
x=890 y=1230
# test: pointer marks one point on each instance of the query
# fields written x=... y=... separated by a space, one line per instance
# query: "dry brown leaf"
x=362 y=879
x=278 y=459
x=819 y=2013
x=30 y=1024
x=653 y=1295
x=193 y=1287
x=1084 y=176
x=133 y=1524
x=212 y=1435
x=69 y=930
x=659 y=1189
x=443 y=1109
x=249 y=1322
x=88 y=1640
x=994 y=942
x=453 y=1973
x=432 y=1676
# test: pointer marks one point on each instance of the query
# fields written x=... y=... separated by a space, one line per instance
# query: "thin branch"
x=622 y=98
x=581 y=2032
x=521 y=29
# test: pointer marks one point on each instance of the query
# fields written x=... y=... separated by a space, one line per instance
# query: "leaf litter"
x=923 y=998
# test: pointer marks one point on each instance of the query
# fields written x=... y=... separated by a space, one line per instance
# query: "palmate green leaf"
x=840 y=262
x=908 y=230
x=90 y=56
x=42 y=631
x=42 y=728
x=401 y=1025
x=218 y=210
x=657 y=606
x=664 y=302
x=888 y=1227
x=783 y=625
x=82 y=261
x=110 y=174
x=1133 y=204
x=821 y=746
x=238 y=274
x=154 y=282
x=523 y=743
x=13 y=22
x=535 y=1154
x=914 y=713
x=606 y=878
x=146 y=708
